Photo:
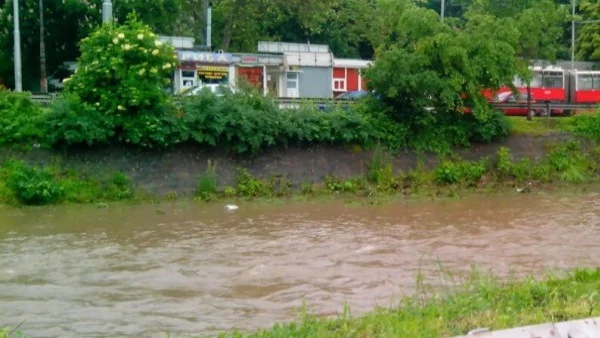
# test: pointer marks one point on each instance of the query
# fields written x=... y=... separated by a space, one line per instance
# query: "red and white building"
x=347 y=75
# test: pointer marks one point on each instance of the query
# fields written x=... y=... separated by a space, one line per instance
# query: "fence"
x=292 y=103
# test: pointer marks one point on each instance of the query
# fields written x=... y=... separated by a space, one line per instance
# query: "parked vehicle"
x=352 y=95
x=521 y=97
x=218 y=90
x=65 y=70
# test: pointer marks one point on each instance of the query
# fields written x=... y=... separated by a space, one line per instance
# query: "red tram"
x=557 y=85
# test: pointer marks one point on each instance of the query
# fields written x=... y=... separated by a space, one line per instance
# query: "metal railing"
x=45 y=99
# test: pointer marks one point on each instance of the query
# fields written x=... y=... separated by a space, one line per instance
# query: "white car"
x=218 y=90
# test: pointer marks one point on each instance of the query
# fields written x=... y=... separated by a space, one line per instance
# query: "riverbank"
x=540 y=154
x=481 y=302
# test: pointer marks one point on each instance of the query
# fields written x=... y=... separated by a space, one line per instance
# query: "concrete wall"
x=177 y=169
x=315 y=82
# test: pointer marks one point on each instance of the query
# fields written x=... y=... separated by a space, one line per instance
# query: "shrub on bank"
x=32 y=185
x=586 y=125
x=24 y=184
x=247 y=122
x=21 y=120
x=120 y=85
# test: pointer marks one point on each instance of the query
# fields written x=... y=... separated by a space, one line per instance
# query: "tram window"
x=553 y=80
x=536 y=81
x=586 y=82
x=595 y=81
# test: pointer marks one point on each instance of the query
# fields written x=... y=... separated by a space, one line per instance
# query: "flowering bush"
x=122 y=75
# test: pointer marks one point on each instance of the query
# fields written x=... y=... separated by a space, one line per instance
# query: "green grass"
x=539 y=126
x=10 y=333
x=482 y=302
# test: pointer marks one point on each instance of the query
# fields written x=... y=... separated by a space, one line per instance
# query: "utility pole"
x=43 y=78
x=573 y=36
x=107 y=9
x=209 y=25
x=17 y=51
x=443 y=9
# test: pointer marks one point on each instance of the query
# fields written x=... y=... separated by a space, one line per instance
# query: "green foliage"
x=569 y=163
x=520 y=171
x=430 y=73
x=465 y=172
x=247 y=185
x=588 y=46
x=20 y=119
x=565 y=162
x=207 y=183
x=381 y=173
x=336 y=185
x=24 y=184
x=32 y=185
x=244 y=122
x=247 y=122
x=121 y=79
x=72 y=122
x=585 y=125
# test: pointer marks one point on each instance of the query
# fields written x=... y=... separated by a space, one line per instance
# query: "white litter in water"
x=231 y=207
x=367 y=248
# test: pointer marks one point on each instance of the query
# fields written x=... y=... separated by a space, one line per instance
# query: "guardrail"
x=45 y=99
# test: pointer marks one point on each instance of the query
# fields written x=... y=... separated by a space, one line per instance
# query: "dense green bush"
x=242 y=122
x=586 y=126
x=32 y=185
x=122 y=75
x=20 y=119
x=71 y=122
x=247 y=122
x=465 y=172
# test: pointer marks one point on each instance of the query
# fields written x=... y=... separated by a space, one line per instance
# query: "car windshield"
x=503 y=96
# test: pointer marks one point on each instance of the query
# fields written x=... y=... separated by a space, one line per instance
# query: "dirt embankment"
x=177 y=170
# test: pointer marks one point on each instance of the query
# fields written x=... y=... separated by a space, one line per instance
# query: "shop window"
x=188 y=78
x=339 y=79
x=213 y=75
x=339 y=85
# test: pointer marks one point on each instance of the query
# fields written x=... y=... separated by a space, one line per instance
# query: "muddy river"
x=183 y=267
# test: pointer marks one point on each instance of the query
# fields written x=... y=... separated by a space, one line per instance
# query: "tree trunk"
x=229 y=25
x=43 y=78
x=529 y=110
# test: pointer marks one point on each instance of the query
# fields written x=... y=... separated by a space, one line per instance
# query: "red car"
x=510 y=97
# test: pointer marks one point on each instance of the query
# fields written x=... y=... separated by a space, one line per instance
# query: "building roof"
x=351 y=63
x=283 y=47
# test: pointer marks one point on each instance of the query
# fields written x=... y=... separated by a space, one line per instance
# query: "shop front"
x=258 y=70
x=203 y=70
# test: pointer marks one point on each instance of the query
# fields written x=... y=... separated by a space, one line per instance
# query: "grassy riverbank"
x=566 y=160
x=566 y=163
x=481 y=302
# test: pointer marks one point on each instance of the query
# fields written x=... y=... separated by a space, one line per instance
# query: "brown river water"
x=187 y=268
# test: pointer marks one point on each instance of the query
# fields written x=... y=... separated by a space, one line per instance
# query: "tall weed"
x=465 y=172
x=207 y=182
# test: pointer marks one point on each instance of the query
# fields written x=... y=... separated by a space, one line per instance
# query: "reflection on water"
x=134 y=271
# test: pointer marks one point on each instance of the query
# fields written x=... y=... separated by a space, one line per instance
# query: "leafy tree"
x=541 y=28
x=430 y=71
x=588 y=34
x=122 y=73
